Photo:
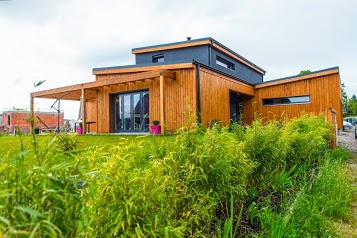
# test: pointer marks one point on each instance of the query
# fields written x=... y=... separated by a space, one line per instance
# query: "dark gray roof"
x=299 y=75
x=143 y=65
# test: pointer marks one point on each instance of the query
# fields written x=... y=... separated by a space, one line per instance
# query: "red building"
x=13 y=118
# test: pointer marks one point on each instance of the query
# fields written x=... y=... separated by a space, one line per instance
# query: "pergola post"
x=83 y=105
x=162 y=111
x=32 y=114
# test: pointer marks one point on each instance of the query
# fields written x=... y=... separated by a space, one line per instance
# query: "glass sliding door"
x=131 y=112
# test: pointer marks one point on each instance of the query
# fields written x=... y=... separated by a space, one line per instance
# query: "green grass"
x=11 y=144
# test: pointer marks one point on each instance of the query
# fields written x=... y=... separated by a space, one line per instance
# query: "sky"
x=62 y=41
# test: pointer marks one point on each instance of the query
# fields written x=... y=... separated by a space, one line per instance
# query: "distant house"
x=203 y=77
x=13 y=119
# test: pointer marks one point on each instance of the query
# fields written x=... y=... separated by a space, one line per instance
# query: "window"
x=224 y=63
x=8 y=120
x=286 y=100
x=131 y=112
x=158 y=58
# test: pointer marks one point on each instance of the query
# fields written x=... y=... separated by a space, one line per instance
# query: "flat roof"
x=196 y=42
x=297 y=77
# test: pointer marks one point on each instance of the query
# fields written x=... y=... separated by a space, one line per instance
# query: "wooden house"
x=201 y=77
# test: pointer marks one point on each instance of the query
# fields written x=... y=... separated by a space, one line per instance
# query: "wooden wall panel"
x=180 y=99
x=91 y=109
x=324 y=94
x=215 y=90
x=179 y=93
x=110 y=76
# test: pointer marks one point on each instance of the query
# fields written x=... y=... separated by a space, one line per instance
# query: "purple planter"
x=79 y=130
x=155 y=130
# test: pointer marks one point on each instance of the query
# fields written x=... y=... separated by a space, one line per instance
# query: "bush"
x=178 y=192
x=274 y=175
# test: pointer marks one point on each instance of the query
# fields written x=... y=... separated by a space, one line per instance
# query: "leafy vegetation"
x=264 y=180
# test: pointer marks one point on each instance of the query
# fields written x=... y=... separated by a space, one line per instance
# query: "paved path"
x=347 y=140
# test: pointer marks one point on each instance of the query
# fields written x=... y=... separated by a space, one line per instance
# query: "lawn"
x=12 y=144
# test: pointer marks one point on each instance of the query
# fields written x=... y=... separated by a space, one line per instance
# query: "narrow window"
x=224 y=63
x=286 y=100
x=158 y=58
x=8 y=120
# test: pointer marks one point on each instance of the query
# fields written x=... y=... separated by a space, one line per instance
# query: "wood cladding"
x=178 y=94
x=324 y=91
x=215 y=90
x=174 y=100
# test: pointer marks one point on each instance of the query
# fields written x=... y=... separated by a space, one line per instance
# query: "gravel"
x=347 y=140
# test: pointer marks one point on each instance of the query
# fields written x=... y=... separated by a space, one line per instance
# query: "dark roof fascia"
x=299 y=75
x=173 y=43
x=142 y=65
x=221 y=72
x=238 y=55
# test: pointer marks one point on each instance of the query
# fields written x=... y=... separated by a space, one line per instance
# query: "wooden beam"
x=171 y=46
x=32 y=114
x=83 y=106
x=141 y=69
x=162 y=108
x=245 y=88
x=297 y=78
x=236 y=57
x=168 y=74
x=76 y=89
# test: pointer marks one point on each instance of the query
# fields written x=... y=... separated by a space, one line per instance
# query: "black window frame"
x=225 y=63
x=286 y=100
x=160 y=58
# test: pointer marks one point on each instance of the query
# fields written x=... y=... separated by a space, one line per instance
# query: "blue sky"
x=61 y=41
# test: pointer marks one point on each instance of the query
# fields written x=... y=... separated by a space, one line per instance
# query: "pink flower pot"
x=155 y=130
x=79 y=130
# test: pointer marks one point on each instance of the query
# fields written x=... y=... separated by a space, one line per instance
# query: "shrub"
x=178 y=192
x=39 y=200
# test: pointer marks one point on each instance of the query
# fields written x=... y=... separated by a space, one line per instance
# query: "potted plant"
x=155 y=128
x=79 y=126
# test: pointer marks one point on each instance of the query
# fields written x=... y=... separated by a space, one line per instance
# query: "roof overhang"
x=74 y=92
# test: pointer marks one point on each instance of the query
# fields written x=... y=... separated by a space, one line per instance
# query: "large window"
x=286 y=100
x=131 y=112
x=224 y=63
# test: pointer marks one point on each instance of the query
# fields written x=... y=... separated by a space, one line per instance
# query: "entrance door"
x=234 y=107
x=131 y=112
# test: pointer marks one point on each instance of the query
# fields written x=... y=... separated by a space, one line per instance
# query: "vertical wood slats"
x=179 y=98
x=215 y=90
x=178 y=94
x=84 y=119
x=324 y=94
x=162 y=109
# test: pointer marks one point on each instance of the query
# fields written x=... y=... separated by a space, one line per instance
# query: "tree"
x=352 y=105
x=302 y=72
x=344 y=97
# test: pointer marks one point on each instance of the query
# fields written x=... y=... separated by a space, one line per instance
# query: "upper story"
x=206 y=51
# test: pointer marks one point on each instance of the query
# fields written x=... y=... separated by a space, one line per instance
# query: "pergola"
x=86 y=91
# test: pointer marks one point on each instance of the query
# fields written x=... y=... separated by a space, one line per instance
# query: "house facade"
x=172 y=82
